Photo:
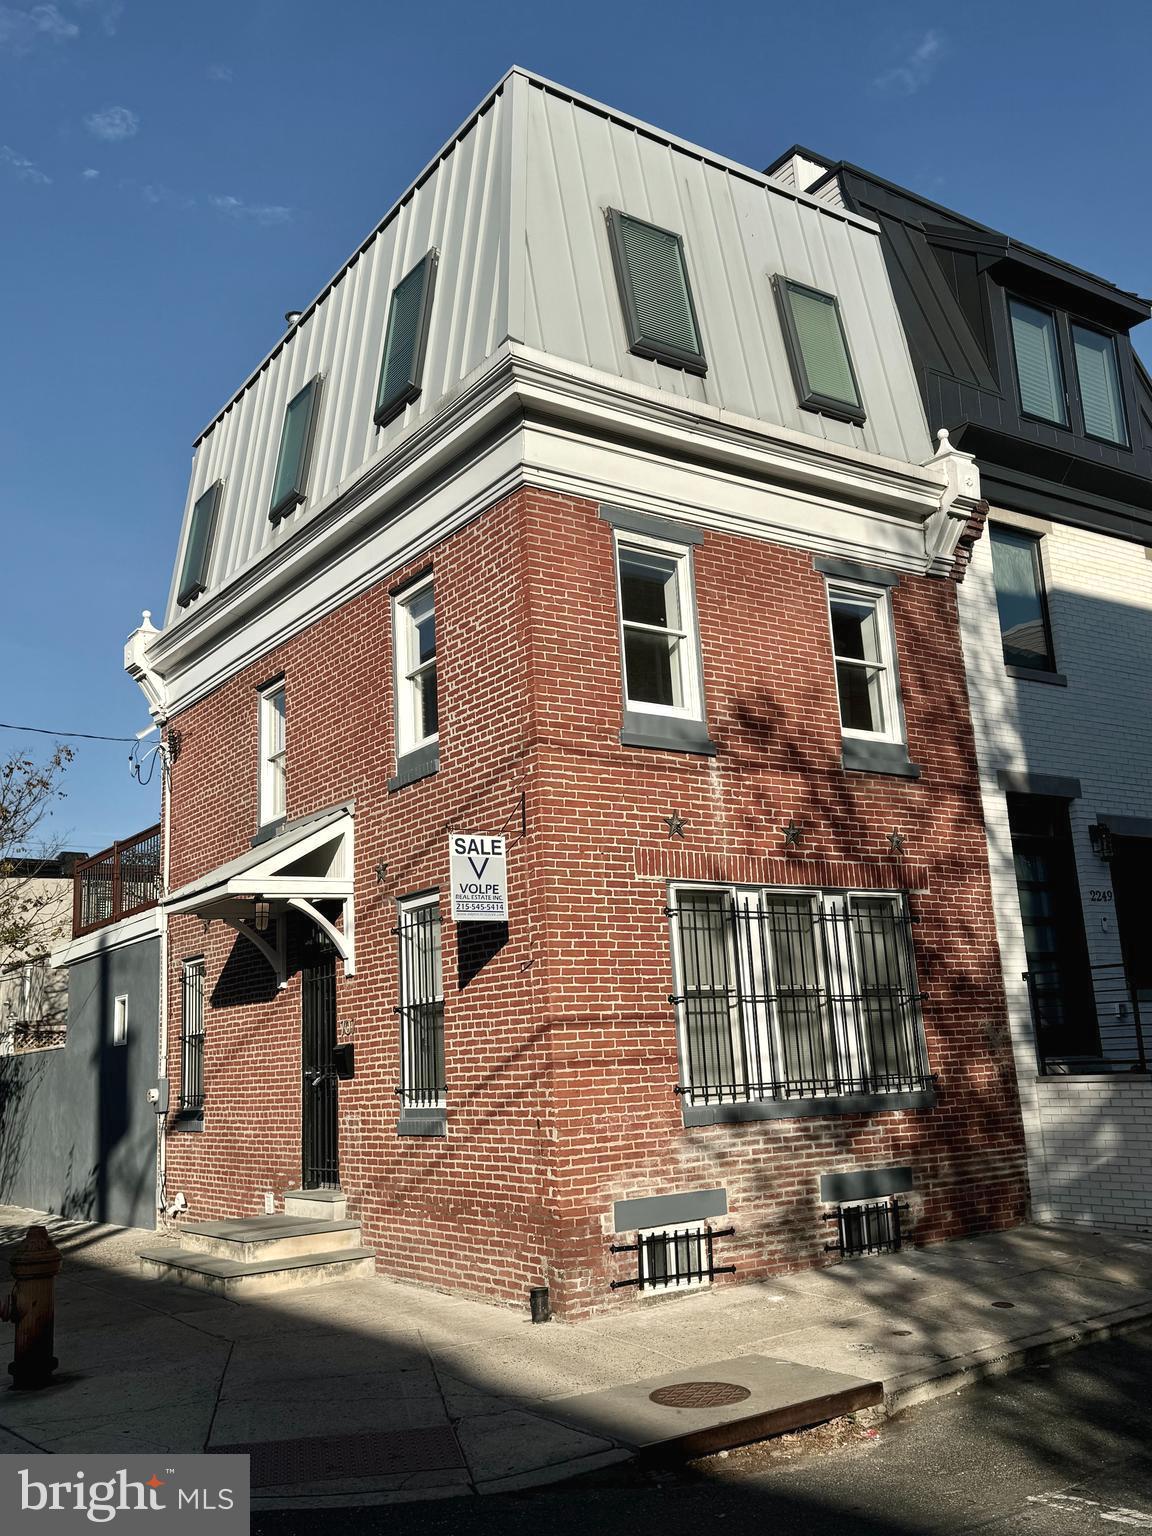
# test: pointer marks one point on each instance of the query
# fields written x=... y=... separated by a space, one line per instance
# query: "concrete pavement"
x=372 y=1391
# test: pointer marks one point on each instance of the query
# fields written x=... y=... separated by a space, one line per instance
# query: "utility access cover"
x=699 y=1394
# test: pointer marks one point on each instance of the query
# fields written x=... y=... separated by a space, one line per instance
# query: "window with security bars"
x=674 y=1258
x=405 y=339
x=871 y=1226
x=421 y=1008
x=656 y=296
x=192 y=1036
x=784 y=994
x=818 y=351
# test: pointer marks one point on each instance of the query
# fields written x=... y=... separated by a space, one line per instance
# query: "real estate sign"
x=478 y=867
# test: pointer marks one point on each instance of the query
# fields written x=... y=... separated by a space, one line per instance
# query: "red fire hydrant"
x=32 y=1307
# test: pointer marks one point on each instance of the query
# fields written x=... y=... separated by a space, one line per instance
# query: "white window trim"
x=270 y=778
x=881 y=598
x=693 y=706
x=405 y=906
x=120 y=1019
x=406 y=667
x=759 y=1026
x=690 y=1229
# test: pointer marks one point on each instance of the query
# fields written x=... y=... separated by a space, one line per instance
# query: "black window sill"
x=1037 y=675
x=417 y=765
x=188 y=1120
x=836 y=410
x=797 y=1109
x=889 y=757
x=422 y=1122
x=665 y=733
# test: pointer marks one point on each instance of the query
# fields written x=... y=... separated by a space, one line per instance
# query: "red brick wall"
x=561 y=1054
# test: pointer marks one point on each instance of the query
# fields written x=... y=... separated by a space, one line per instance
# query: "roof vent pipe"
x=292 y=315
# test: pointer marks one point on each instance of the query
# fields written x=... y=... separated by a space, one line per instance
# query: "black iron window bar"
x=421 y=1010
x=870 y=1227
x=786 y=999
x=192 y=1037
x=673 y=1258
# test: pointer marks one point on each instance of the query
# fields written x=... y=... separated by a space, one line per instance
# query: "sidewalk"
x=370 y=1391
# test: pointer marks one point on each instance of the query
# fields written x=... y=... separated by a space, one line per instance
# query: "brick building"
x=592 y=507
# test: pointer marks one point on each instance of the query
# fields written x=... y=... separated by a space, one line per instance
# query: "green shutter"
x=194 y=571
x=404 y=340
x=1037 y=362
x=295 y=450
x=657 y=300
x=819 y=348
x=1099 y=382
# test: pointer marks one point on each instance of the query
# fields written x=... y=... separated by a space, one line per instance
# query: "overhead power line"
x=73 y=735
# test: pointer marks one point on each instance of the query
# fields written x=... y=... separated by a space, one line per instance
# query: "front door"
x=320 y=1146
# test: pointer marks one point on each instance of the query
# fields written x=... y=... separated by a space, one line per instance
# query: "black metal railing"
x=421 y=1009
x=871 y=1227
x=116 y=882
x=786 y=998
x=1099 y=1022
x=192 y=1037
x=674 y=1258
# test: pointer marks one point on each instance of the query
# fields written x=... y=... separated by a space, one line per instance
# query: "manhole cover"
x=699 y=1394
x=1003 y=1303
x=383 y=1454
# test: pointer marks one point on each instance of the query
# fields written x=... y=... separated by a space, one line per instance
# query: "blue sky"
x=173 y=177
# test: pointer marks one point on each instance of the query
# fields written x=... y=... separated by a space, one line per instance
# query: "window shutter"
x=295 y=449
x=818 y=351
x=1099 y=385
x=657 y=300
x=1037 y=362
x=194 y=572
x=404 y=341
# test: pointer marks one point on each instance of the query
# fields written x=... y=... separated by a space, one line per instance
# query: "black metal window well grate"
x=786 y=995
x=674 y=1258
x=872 y=1227
x=421 y=1007
x=192 y=1036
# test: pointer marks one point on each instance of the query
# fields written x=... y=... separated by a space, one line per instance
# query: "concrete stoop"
x=261 y=1255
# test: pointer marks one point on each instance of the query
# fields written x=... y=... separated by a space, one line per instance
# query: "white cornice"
x=527 y=418
x=129 y=930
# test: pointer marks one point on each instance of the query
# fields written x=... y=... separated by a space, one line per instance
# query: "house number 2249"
x=1100 y=896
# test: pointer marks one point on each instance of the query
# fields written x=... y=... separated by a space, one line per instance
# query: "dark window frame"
x=811 y=399
x=192 y=583
x=1036 y=540
x=387 y=410
x=639 y=344
x=1074 y=324
x=193 y=1029
x=298 y=490
x=1065 y=425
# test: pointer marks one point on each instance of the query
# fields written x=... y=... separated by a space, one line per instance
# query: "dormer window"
x=1098 y=379
x=292 y=461
x=818 y=351
x=405 y=340
x=1039 y=376
x=198 y=550
x=652 y=275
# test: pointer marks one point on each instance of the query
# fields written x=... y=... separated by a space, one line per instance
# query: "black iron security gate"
x=319 y=1136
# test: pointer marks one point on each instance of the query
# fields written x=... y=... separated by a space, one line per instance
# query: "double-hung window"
x=659 y=642
x=192 y=1037
x=405 y=339
x=1021 y=601
x=1098 y=380
x=864 y=655
x=655 y=294
x=273 y=754
x=198 y=549
x=421 y=1009
x=417 y=692
x=293 y=460
x=787 y=995
x=1039 y=374
x=818 y=351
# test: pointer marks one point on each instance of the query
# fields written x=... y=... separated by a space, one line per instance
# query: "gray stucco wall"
x=77 y=1134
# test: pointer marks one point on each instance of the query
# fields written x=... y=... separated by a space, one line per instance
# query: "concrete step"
x=316 y=1204
x=250 y=1239
x=239 y=1281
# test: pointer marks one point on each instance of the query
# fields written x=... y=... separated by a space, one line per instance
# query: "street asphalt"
x=1059 y=1449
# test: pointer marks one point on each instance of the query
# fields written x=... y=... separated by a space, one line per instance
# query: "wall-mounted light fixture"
x=1101 y=839
x=263 y=912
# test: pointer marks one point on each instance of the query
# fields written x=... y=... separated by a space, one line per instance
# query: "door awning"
x=305 y=862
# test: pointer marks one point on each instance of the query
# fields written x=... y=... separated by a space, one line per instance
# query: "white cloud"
x=21 y=28
x=915 y=70
x=22 y=168
x=90 y=174
x=222 y=73
x=252 y=213
x=113 y=124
